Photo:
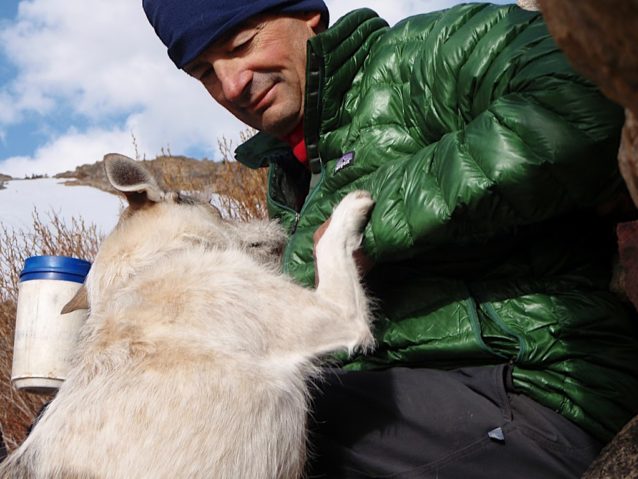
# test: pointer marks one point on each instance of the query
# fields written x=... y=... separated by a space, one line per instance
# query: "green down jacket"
x=487 y=156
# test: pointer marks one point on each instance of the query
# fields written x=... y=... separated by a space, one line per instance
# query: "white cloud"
x=7 y=114
x=100 y=61
x=390 y=11
x=86 y=51
x=71 y=149
x=393 y=11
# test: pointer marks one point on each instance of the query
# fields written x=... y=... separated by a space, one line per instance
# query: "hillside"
x=241 y=186
x=174 y=172
x=3 y=178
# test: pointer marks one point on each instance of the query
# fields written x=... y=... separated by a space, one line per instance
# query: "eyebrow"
x=192 y=67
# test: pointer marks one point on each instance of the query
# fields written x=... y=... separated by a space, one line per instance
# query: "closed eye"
x=200 y=71
x=240 y=48
x=241 y=42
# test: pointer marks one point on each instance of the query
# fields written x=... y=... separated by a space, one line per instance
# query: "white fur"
x=195 y=357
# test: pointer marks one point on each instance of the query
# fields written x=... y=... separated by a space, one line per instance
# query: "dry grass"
x=242 y=194
x=242 y=191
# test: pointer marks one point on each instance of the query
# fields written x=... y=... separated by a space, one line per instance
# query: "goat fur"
x=195 y=357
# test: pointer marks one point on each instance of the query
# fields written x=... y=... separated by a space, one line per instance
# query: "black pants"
x=423 y=423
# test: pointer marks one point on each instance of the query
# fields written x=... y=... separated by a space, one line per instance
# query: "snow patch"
x=50 y=196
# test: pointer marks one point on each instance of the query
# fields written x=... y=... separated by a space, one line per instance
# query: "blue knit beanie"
x=187 y=27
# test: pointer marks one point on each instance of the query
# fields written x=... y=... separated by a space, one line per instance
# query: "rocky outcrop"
x=3 y=179
x=619 y=459
x=600 y=38
x=628 y=154
x=3 y=448
x=173 y=172
x=528 y=4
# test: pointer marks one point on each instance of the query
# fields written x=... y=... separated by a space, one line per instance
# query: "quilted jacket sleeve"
x=506 y=134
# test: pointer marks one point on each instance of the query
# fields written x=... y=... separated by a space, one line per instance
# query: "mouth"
x=262 y=100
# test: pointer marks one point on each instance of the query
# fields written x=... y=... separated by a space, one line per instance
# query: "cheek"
x=217 y=94
x=282 y=58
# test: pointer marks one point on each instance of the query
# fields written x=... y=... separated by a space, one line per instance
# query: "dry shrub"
x=242 y=191
x=182 y=173
x=75 y=239
x=238 y=191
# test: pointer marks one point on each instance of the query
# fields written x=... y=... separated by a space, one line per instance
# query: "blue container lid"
x=62 y=268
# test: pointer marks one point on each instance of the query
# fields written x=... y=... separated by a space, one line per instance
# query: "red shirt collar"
x=297 y=142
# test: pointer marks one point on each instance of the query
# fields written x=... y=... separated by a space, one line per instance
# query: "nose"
x=234 y=80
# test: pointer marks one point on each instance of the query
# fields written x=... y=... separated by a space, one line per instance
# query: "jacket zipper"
x=287 y=252
x=294 y=225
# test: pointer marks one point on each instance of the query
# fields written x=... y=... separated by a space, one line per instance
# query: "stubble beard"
x=280 y=117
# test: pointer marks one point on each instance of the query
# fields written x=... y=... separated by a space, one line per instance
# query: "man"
x=500 y=348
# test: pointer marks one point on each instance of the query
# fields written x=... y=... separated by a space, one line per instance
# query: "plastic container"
x=44 y=338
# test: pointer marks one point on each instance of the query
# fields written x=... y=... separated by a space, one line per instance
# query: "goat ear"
x=131 y=178
x=79 y=301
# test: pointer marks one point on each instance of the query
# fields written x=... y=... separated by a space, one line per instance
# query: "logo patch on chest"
x=346 y=160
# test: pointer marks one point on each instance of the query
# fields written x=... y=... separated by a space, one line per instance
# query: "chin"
x=280 y=121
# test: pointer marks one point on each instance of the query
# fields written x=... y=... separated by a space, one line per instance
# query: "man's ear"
x=313 y=20
x=131 y=178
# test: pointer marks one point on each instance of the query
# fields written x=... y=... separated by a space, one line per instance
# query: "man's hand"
x=364 y=264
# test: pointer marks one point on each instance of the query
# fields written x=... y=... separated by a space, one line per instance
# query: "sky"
x=82 y=78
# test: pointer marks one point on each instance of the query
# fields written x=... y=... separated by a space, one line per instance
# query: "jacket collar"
x=334 y=58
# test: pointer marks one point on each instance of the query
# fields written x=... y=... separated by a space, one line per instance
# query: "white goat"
x=194 y=359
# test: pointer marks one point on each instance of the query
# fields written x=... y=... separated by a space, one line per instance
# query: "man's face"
x=258 y=72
